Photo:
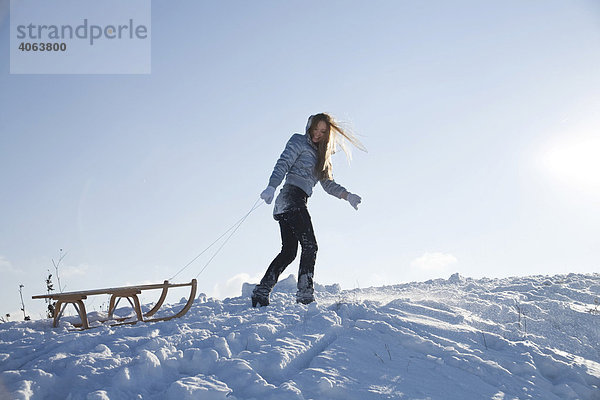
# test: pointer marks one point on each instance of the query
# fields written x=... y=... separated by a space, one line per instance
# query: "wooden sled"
x=116 y=294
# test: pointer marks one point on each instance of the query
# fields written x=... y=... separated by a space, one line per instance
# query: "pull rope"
x=235 y=227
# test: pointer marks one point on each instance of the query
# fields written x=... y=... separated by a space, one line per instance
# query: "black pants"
x=296 y=227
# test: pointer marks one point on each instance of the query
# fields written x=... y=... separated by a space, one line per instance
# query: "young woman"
x=305 y=161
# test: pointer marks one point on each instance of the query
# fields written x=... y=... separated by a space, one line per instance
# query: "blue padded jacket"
x=297 y=165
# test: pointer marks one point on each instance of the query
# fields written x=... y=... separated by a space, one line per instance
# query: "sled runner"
x=116 y=294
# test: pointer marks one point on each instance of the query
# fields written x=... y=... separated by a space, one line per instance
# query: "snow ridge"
x=516 y=338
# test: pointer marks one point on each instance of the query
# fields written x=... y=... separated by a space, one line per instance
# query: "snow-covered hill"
x=517 y=338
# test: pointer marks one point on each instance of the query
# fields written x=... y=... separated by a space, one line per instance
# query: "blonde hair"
x=335 y=136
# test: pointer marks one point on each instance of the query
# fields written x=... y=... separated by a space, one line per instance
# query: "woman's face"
x=319 y=132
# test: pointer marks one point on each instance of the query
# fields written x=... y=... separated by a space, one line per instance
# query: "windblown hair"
x=335 y=136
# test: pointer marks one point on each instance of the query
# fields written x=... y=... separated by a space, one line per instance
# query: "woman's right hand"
x=267 y=194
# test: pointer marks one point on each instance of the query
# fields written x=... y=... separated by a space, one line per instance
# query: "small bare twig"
x=56 y=265
x=25 y=316
x=522 y=324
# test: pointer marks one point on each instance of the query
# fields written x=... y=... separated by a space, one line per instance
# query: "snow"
x=516 y=338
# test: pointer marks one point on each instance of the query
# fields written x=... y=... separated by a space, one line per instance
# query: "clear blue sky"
x=481 y=120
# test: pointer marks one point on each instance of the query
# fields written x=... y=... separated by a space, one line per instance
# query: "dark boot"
x=260 y=296
x=305 y=299
x=305 y=293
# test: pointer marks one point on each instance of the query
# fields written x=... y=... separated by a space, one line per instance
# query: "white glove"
x=354 y=200
x=267 y=194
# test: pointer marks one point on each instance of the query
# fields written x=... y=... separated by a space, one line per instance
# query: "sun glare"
x=575 y=162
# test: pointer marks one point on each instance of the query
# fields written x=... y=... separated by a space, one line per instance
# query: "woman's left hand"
x=353 y=199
